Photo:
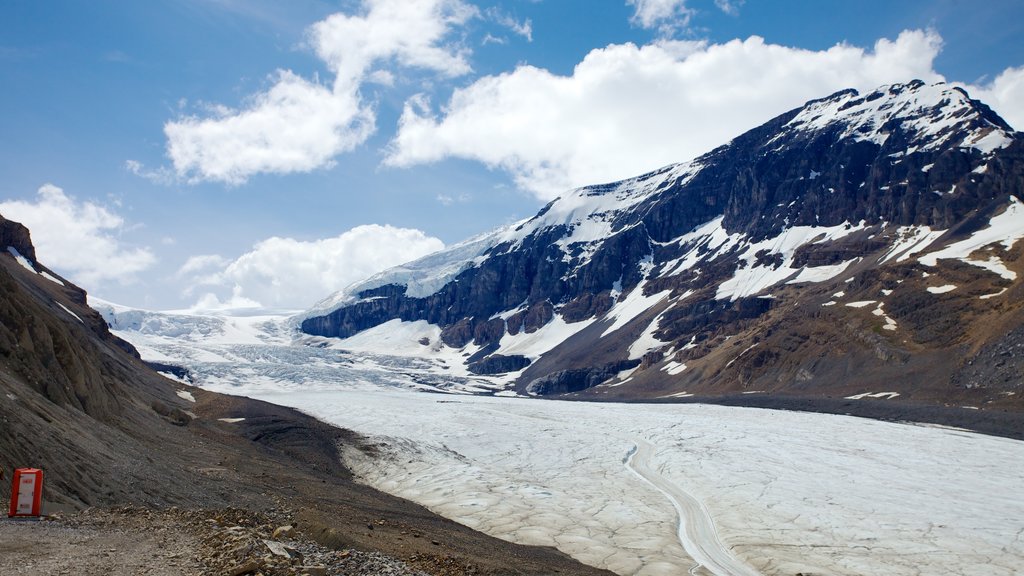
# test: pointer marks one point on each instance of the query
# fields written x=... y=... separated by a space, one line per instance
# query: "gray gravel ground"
x=174 y=542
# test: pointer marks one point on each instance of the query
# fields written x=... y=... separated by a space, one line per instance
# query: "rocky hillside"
x=863 y=246
x=109 y=431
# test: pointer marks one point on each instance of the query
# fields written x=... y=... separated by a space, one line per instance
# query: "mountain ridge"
x=809 y=196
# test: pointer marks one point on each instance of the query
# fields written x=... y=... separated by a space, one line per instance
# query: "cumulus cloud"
x=80 y=240
x=1005 y=95
x=299 y=124
x=294 y=274
x=627 y=109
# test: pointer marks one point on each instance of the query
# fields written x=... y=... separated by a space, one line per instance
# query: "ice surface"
x=787 y=492
x=740 y=489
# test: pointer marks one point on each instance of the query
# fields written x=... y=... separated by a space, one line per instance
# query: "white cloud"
x=667 y=15
x=294 y=274
x=211 y=302
x=298 y=124
x=162 y=175
x=731 y=7
x=410 y=32
x=1005 y=95
x=524 y=28
x=78 y=239
x=627 y=109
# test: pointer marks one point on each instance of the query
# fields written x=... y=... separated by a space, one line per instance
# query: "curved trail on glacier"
x=696 y=531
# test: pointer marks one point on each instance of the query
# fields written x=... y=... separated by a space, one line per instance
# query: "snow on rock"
x=890 y=324
x=68 y=310
x=535 y=344
x=910 y=240
x=51 y=278
x=861 y=303
x=1005 y=228
x=21 y=259
x=941 y=289
x=752 y=278
x=633 y=305
x=933 y=115
x=421 y=277
x=186 y=395
x=886 y=395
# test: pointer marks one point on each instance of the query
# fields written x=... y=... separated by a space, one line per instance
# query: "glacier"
x=644 y=489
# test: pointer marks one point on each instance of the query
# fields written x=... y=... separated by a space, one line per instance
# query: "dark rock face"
x=17 y=236
x=498 y=364
x=902 y=156
x=575 y=380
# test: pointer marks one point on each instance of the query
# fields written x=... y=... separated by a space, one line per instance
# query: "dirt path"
x=97 y=545
x=697 y=531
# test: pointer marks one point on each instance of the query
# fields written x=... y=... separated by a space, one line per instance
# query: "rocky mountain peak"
x=644 y=280
x=925 y=116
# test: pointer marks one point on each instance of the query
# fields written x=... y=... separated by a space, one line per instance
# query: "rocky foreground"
x=144 y=475
x=130 y=541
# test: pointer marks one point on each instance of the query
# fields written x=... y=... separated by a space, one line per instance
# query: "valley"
x=616 y=486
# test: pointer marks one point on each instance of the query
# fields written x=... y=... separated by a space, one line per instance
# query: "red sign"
x=26 y=492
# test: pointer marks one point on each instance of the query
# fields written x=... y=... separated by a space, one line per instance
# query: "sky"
x=211 y=154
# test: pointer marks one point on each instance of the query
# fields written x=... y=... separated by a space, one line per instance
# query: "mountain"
x=861 y=247
x=109 y=431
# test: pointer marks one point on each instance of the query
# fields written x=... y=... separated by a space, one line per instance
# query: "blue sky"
x=182 y=153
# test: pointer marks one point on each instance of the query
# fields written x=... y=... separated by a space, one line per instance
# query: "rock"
x=565 y=381
x=277 y=549
x=317 y=570
x=244 y=568
x=284 y=532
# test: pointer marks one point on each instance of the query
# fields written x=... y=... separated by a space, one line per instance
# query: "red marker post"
x=26 y=493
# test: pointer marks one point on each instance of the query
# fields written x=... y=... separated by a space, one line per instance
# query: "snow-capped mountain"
x=861 y=244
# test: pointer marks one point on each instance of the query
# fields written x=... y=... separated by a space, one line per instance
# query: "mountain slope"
x=861 y=244
x=109 y=431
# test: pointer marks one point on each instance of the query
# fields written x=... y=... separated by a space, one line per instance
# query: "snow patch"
x=886 y=395
x=909 y=241
x=752 y=278
x=21 y=259
x=68 y=310
x=674 y=368
x=861 y=303
x=51 y=277
x=1005 y=228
